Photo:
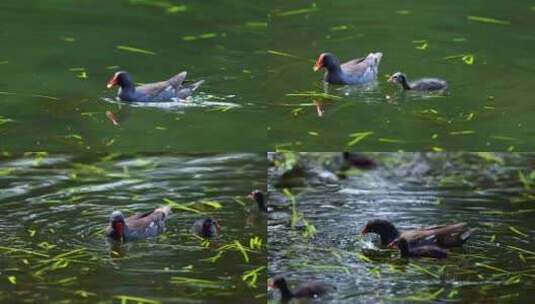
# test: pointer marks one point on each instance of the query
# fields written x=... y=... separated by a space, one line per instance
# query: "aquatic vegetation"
x=488 y=20
x=135 y=50
x=358 y=137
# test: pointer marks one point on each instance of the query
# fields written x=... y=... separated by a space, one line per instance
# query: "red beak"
x=119 y=227
x=319 y=63
x=365 y=230
x=112 y=82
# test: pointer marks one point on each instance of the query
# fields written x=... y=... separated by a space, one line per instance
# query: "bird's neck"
x=261 y=204
x=405 y=84
x=127 y=90
x=388 y=235
x=286 y=293
x=404 y=251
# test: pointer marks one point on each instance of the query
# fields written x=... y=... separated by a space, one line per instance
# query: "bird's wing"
x=419 y=234
x=354 y=66
x=143 y=220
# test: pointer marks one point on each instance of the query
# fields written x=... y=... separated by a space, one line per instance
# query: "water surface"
x=411 y=190
x=55 y=208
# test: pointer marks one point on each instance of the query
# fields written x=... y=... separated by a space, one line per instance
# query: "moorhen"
x=137 y=226
x=357 y=160
x=454 y=235
x=167 y=90
x=422 y=85
x=428 y=251
x=258 y=196
x=206 y=228
x=311 y=289
x=356 y=71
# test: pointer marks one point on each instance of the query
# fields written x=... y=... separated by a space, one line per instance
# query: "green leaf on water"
x=213 y=204
x=357 y=137
x=298 y=11
x=179 y=206
x=251 y=276
x=68 y=39
x=488 y=20
x=137 y=300
x=464 y=132
x=513 y=229
x=135 y=50
x=312 y=133
x=283 y=54
x=4 y=120
x=12 y=279
x=176 y=9
x=466 y=58
x=256 y=24
x=339 y=28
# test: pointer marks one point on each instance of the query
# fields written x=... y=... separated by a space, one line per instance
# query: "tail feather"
x=196 y=85
x=166 y=210
x=177 y=80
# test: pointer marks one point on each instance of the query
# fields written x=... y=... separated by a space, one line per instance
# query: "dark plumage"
x=311 y=289
x=454 y=235
x=357 y=71
x=137 y=226
x=166 y=90
x=260 y=199
x=428 y=251
x=206 y=228
x=423 y=85
x=357 y=160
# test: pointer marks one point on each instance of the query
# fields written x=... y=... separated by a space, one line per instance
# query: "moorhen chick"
x=137 y=226
x=422 y=85
x=206 y=228
x=311 y=289
x=454 y=235
x=167 y=90
x=260 y=199
x=357 y=160
x=356 y=71
x=427 y=251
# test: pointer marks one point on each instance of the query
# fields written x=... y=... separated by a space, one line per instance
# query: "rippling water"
x=55 y=208
x=412 y=190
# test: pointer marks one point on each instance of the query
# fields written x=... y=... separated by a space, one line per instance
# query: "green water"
x=58 y=55
x=496 y=265
x=43 y=40
x=55 y=208
x=489 y=106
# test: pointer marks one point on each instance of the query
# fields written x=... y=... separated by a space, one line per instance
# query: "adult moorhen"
x=137 y=226
x=259 y=198
x=454 y=235
x=422 y=85
x=428 y=251
x=206 y=228
x=311 y=289
x=356 y=71
x=167 y=90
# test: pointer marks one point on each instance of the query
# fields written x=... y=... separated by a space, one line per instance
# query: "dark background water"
x=411 y=190
x=54 y=204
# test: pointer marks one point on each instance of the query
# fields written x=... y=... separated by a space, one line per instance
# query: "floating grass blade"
x=251 y=276
x=488 y=20
x=138 y=300
x=182 y=207
x=135 y=50
x=359 y=136
x=298 y=11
